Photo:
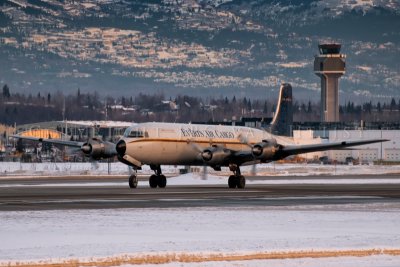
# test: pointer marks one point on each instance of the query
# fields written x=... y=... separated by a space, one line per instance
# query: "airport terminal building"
x=386 y=151
x=76 y=130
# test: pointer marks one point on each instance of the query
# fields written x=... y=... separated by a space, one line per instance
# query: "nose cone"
x=257 y=150
x=206 y=155
x=86 y=148
x=121 y=148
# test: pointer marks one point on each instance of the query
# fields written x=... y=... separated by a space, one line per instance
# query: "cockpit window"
x=135 y=133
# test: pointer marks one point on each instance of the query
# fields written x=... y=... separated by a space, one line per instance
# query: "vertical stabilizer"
x=283 y=120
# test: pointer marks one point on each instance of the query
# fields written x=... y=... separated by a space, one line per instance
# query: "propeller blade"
x=195 y=146
x=244 y=140
x=204 y=173
x=254 y=170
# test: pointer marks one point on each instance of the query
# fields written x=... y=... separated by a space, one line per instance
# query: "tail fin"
x=282 y=122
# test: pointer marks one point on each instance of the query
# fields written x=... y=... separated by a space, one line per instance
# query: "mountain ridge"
x=197 y=47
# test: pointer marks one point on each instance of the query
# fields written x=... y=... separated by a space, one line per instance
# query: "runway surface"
x=53 y=193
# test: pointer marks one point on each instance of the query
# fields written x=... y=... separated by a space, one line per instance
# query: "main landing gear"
x=157 y=179
x=236 y=180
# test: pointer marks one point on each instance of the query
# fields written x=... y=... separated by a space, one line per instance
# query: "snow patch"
x=76 y=234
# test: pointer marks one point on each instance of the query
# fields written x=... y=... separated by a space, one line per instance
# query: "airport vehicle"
x=215 y=146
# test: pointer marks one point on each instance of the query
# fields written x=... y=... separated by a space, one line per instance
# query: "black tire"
x=162 y=181
x=232 y=181
x=153 y=181
x=241 y=181
x=133 y=181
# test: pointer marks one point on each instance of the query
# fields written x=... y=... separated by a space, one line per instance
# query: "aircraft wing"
x=279 y=151
x=300 y=149
x=94 y=148
x=51 y=141
x=241 y=157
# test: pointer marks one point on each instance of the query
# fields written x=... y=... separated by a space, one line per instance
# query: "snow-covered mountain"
x=203 y=47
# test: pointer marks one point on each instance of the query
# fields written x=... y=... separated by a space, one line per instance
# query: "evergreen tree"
x=273 y=108
x=309 y=108
x=303 y=107
x=392 y=105
x=48 y=98
x=6 y=91
x=378 y=107
x=265 y=110
x=249 y=106
x=78 y=97
x=244 y=101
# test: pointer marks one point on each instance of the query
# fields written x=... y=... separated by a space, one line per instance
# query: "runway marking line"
x=196 y=257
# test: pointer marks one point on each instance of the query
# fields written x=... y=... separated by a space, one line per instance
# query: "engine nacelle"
x=98 y=149
x=264 y=151
x=215 y=156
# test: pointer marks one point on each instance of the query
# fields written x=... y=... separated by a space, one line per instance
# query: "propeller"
x=244 y=140
x=204 y=175
x=203 y=154
x=257 y=150
x=86 y=148
x=253 y=170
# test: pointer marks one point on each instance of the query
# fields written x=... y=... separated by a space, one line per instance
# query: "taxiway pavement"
x=55 y=193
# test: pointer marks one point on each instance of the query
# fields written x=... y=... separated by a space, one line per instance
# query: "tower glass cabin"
x=329 y=65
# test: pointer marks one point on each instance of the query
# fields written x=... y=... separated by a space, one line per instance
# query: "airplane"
x=216 y=146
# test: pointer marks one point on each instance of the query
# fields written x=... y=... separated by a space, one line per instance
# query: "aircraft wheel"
x=162 y=181
x=232 y=181
x=133 y=181
x=153 y=181
x=241 y=181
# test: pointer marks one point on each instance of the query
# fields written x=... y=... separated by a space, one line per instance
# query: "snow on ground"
x=85 y=234
x=74 y=234
x=17 y=169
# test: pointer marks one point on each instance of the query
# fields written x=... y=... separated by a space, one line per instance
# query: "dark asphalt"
x=86 y=193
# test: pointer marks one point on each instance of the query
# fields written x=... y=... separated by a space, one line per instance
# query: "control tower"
x=329 y=65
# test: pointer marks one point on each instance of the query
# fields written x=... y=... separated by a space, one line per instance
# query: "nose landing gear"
x=133 y=181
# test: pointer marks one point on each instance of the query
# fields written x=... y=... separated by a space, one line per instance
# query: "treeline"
x=16 y=108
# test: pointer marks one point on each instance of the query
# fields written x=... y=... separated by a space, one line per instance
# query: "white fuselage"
x=179 y=144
